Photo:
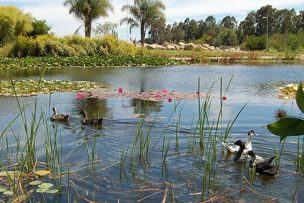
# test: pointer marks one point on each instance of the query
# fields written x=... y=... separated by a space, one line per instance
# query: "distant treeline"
x=228 y=32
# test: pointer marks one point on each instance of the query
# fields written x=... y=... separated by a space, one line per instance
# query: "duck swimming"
x=262 y=167
x=248 y=146
x=90 y=121
x=59 y=117
x=241 y=156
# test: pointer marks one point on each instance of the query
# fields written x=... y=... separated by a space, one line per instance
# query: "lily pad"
x=26 y=88
x=9 y=173
x=42 y=172
x=40 y=190
x=45 y=185
x=48 y=191
x=2 y=189
x=36 y=182
x=8 y=193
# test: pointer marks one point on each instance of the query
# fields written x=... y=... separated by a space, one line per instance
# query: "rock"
x=171 y=47
x=150 y=46
x=181 y=44
x=211 y=48
x=189 y=46
x=166 y=44
x=206 y=46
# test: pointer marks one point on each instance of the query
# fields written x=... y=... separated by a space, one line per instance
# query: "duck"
x=90 y=121
x=59 y=117
x=239 y=156
x=262 y=167
x=234 y=148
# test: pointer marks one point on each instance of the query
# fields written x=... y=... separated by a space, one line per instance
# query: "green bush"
x=47 y=45
x=255 y=43
x=287 y=42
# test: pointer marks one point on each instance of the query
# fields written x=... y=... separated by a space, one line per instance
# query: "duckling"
x=248 y=145
x=262 y=167
x=90 y=121
x=59 y=117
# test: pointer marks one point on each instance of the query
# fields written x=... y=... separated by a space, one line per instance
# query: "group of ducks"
x=85 y=120
x=243 y=151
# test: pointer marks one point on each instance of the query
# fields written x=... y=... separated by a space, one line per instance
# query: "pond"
x=99 y=164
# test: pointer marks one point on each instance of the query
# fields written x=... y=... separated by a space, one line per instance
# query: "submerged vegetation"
x=34 y=87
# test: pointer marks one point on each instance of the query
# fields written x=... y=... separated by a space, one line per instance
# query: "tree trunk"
x=87 y=27
x=142 y=34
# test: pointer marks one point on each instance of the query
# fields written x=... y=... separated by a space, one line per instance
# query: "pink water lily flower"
x=170 y=99
x=165 y=92
x=120 y=90
x=81 y=95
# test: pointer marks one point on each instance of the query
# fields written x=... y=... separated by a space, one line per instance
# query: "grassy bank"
x=198 y=56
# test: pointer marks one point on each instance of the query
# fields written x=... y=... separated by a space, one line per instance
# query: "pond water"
x=93 y=156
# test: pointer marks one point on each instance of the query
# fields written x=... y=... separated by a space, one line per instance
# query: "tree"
x=106 y=28
x=144 y=13
x=227 y=37
x=88 y=11
x=228 y=22
x=265 y=16
x=13 y=23
x=39 y=28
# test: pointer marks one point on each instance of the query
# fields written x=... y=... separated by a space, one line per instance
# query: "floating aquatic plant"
x=27 y=88
x=288 y=92
x=290 y=126
x=86 y=62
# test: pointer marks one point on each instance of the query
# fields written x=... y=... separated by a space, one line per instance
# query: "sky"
x=62 y=23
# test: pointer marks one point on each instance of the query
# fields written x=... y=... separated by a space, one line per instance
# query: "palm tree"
x=143 y=14
x=88 y=11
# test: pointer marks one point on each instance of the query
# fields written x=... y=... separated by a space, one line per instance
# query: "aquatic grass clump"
x=25 y=88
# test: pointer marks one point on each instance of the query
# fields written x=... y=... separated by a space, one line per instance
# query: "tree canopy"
x=88 y=11
x=144 y=14
x=13 y=23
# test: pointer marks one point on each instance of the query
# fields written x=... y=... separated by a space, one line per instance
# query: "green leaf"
x=45 y=185
x=36 y=182
x=300 y=97
x=287 y=127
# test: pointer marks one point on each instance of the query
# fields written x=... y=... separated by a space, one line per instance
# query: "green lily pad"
x=45 y=185
x=52 y=191
x=48 y=191
x=2 y=189
x=8 y=193
x=40 y=190
x=36 y=182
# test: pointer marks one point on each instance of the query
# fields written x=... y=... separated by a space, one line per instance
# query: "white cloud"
x=63 y=23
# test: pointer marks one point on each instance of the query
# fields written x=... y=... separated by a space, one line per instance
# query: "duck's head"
x=54 y=110
x=251 y=134
x=83 y=113
x=240 y=143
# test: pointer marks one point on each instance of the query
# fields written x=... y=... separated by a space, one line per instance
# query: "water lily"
x=81 y=95
x=120 y=90
x=165 y=92
x=170 y=99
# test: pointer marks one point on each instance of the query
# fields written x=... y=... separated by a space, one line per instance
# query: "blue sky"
x=63 y=23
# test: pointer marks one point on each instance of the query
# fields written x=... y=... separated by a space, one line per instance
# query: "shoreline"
x=150 y=60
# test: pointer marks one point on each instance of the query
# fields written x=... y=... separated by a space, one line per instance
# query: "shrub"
x=287 y=42
x=255 y=43
x=47 y=45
